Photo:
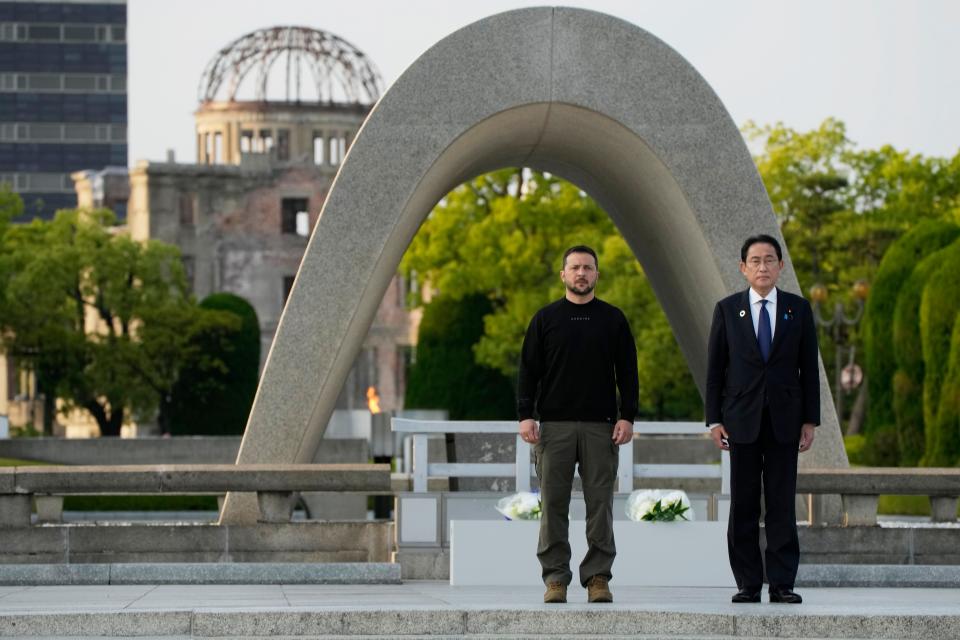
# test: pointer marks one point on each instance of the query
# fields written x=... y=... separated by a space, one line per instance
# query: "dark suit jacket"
x=739 y=382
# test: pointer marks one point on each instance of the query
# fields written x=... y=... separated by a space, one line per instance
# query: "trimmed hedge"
x=948 y=413
x=895 y=268
x=220 y=407
x=939 y=308
x=446 y=375
x=908 y=350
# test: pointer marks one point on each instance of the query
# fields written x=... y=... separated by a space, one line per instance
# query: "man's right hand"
x=720 y=437
x=529 y=431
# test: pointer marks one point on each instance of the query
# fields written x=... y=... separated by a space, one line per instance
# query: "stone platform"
x=435 y=609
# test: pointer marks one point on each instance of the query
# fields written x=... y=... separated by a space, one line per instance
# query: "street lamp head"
x=861 y=289
x=818 y=293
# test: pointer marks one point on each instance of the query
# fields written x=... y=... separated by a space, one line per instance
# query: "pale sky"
x=887 y=68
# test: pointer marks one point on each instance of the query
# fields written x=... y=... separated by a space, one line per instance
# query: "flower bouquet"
x=658 y=505
x=520 y=506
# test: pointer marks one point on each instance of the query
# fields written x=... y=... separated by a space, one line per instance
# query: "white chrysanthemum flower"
x=658 y=505
x=520 y=506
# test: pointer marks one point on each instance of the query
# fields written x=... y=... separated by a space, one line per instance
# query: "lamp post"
x=838 y=324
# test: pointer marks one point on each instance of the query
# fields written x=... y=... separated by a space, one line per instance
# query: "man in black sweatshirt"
x=578 y=351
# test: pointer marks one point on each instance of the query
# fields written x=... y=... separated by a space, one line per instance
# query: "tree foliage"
x=898 y=263
x=502 y=236
x=909 y=376
x=947 y=426
x=939 y=310
x=840 y=209
x=446 y=375
x=216 y=400
x=104 y=321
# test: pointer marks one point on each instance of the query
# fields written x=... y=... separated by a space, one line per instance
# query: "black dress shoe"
x=785 y=595
x=746 y=595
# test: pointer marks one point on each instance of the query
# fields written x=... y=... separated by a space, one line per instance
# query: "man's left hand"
x=806 y=436
x=622 y=432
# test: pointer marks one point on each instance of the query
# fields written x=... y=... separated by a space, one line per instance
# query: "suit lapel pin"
x=789 y=314
x=742 y=313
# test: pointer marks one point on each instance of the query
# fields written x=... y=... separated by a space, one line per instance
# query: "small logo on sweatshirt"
x=579 y=317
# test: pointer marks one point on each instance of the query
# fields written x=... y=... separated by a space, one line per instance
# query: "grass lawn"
x=13 y=462
x=906 y=506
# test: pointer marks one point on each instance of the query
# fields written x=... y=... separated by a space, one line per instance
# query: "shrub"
x=446 y=375
x=854 y=444
x=939 y=308
x=219 y=404
x=948 y=412
x=908 y=349
x=898 y=263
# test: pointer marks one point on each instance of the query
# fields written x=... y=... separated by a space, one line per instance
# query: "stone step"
x=250 y=573
x=481 y=622
x=350 y=573
x=435 y=609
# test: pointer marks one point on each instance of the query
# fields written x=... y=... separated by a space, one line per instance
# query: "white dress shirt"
x=755 y=307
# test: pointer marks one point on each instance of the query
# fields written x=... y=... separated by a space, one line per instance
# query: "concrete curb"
x=809 y=575
x=201 y=573
x=496 y=622
x=878 y=575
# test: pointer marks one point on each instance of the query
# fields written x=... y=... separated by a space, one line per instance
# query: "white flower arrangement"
x=658 y=505
x=520 y=506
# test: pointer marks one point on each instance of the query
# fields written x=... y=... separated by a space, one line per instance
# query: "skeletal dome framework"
x=291 y=64
x=287 y=94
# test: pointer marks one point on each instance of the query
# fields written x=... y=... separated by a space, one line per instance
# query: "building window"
x=290 y=210
x=317 y=147
x=335 y=156
x=79 y=32
x=13 y=379
x=187 y=216
x=403 y=363
x=283 y=144
x=266 y=140
x=303 y=224
x=287 y=287
x=62 y=32
x=189 y=269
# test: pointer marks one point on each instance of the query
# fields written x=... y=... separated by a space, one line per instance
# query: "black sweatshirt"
x=574 y=358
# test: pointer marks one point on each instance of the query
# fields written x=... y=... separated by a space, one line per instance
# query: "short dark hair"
x=760 y=238
x=580 y=248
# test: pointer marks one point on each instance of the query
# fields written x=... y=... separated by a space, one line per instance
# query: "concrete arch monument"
x=580 y=94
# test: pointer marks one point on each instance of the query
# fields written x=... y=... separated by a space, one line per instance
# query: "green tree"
x=502 y=235
x=895 y=268
x=446 y=375
x=908 y=380
x=213 y=396
x=939 y=310
x=899 y=189
x=101 y=319
x=948 y=413
x=840 y=209
x=806 y=177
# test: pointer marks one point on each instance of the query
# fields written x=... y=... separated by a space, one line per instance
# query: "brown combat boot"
x=598 y=591
x=556 y=593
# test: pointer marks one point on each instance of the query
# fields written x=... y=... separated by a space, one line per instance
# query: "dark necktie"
x=764 y=335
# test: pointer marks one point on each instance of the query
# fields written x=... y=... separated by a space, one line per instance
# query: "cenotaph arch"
x=580 y=94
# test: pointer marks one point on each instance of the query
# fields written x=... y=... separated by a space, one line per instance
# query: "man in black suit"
x=763 y=404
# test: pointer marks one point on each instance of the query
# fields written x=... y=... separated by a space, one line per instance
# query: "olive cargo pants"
x=563 y=446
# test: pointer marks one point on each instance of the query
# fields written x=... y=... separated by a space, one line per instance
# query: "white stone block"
x=649 y=554
x=418 y=520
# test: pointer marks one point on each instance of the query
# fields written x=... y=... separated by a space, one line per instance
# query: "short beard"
x=589 y=288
